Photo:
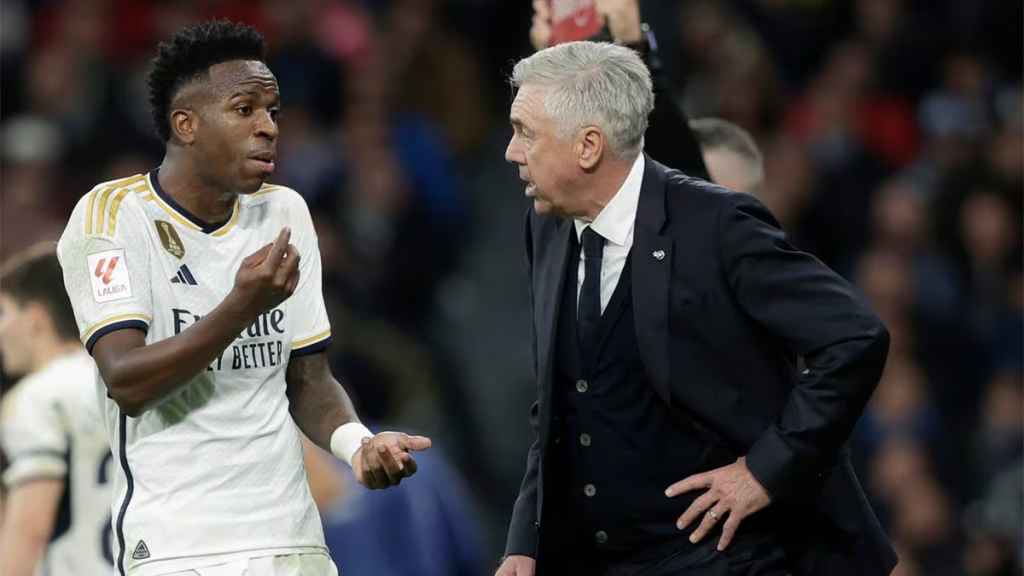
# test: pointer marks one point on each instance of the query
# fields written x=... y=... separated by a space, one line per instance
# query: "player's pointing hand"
x=385 y=459
x=270 y=275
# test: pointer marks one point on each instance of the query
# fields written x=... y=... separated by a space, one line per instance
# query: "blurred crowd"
x=892 y=135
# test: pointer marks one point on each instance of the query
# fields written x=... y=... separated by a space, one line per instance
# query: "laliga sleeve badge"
x=170 y=239
x=108 y=274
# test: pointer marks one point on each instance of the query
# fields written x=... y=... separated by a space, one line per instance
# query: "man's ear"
x=39 y=317
x=590 y=147
x=184 y=122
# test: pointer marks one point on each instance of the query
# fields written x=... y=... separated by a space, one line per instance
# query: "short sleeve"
x=312 y=329
x=104 y=256
x=33 y=435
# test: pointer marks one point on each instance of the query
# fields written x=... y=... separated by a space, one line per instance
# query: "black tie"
x=590 y=295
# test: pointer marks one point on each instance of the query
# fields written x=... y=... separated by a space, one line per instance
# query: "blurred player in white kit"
x=57 y=516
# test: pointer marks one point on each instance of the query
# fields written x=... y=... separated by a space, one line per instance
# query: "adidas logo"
x=141 y=551
x=184 y=276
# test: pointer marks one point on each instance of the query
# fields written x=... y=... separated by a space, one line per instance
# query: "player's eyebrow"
x=255 y=92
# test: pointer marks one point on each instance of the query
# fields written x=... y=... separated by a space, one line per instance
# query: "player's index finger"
x=280 y=245
x=414 y=442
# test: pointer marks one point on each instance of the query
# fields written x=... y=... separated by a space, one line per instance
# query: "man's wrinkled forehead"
x=528 y=105
x=248 y=75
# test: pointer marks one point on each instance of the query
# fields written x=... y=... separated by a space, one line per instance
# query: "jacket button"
x=601 y=537
x=585 y=439
x=582 y=386
x=536 y=524
x=590 y=490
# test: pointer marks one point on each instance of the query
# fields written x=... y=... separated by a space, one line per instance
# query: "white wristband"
x=347 y=439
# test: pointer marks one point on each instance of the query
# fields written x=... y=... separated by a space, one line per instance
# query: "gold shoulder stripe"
x=115 y=205
x=104 y=195
x=102 y=209
x=145 y=193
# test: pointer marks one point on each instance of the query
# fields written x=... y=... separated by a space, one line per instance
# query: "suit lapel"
x=652 y=272
x=549 y=281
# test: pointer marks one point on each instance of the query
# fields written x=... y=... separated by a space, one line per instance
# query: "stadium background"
x=892 y=138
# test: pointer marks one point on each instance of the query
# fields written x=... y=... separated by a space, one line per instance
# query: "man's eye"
x=275 y=112
x=244 y=109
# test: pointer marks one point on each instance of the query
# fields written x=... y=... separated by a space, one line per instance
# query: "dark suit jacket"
x=723 y=306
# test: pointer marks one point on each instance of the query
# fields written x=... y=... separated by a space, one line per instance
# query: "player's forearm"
x=20 y=554
x=24 y=534
x=137 y=375
x=318 y=403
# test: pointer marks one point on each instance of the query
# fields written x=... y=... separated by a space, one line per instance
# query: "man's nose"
x=266 y=126
x=513 y=153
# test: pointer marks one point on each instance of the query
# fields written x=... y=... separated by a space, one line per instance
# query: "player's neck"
x=181 y=181
x=49 y=349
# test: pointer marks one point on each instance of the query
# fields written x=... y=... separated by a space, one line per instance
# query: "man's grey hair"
x=715 y=133
x=593 y=83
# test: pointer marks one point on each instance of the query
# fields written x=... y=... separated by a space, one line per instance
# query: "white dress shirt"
x=615 y=223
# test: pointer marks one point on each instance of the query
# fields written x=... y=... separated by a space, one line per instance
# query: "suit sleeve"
x=817 y=315
x=522 y=530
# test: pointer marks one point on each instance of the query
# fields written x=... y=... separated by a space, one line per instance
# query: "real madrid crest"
x=170 y=239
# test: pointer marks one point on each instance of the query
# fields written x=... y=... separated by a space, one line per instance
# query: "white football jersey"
x=215 y=470
x=50 y=427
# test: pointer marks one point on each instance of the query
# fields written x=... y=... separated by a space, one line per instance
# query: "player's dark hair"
x=189 y=55
x=34 y=275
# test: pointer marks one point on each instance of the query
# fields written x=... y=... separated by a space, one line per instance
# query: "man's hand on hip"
x=732 y=494
x=516 y=565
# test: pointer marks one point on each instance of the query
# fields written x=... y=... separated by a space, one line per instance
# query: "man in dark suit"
x=668 y=318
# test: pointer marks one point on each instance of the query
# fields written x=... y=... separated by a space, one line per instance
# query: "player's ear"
x=184 y=122
x=38 y=315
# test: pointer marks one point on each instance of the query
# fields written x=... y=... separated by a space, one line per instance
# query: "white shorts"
x=284 y=565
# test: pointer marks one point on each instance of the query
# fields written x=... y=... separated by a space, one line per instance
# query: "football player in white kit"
x=197 y=290
x=57 y=519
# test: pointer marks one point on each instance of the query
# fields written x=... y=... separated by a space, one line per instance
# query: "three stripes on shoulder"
x=105 y=200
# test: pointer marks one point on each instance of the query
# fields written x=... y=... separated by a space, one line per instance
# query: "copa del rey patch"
x=108 y=271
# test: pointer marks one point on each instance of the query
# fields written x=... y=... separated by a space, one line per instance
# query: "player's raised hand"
x=269 y=276
x=385 y=459
x=623 y=17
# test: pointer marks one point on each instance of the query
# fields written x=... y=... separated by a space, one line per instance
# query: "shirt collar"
x=616 y=219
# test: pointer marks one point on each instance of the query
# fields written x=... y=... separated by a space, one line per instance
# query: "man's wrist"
x=238 y=306
x=346 y=440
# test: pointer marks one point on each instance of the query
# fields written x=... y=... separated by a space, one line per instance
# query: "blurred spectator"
x=900 y=224
x=994 y=526
x=730 y=154
x=999 y=441
x=31 y=150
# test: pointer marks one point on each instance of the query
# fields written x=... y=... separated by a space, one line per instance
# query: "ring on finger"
x=713 y=515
